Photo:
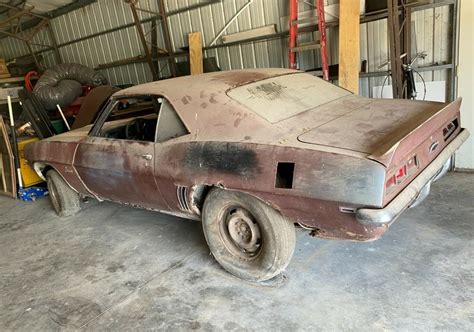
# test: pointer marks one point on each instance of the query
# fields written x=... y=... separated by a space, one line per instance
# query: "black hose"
x=62 y=84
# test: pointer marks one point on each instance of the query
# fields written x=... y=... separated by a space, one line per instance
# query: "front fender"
x=58 y=155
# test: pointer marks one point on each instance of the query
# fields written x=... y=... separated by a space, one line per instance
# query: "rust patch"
x=213 y=99
x=364 y=126
x=270 y=91
x=186 y=99
x=126 y=160
x=237 y=122
x=315 y=232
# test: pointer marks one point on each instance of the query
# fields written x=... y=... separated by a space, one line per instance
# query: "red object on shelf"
x=73 y=109
x=86 y=89
x=28 y=76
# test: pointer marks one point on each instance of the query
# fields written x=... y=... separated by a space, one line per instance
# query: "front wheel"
x=66 y=202
x=248 y=238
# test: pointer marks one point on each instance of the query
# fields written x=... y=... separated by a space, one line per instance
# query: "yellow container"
x=28 y=174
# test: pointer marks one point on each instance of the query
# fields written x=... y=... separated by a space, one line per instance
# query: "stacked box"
x=3 y=69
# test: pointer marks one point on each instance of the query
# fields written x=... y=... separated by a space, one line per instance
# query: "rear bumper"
x=416 y=191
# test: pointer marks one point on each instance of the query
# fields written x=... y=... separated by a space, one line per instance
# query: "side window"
x=169 y=124
x=131 y=118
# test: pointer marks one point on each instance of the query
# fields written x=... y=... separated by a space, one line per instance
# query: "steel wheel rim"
x=240 y=232
x=53 y=194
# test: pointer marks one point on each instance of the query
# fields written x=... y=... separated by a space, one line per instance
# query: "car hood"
x=375 y=125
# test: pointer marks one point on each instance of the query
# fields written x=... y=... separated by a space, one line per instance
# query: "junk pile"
x=64 y=97
x=54 y=103
x=21 y=66
x=18 y=179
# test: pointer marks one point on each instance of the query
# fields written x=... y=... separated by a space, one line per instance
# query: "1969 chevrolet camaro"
x=252 y=153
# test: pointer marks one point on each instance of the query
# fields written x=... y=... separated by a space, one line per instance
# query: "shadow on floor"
x=113 y=267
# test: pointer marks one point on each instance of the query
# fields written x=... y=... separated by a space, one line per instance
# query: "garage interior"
x=116 y=267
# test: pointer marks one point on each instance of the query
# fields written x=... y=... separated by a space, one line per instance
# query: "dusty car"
x=254 y=153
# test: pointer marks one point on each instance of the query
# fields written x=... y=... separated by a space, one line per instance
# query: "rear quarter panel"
x=322 y=181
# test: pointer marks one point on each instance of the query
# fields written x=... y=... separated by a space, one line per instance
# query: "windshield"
x=279 y=98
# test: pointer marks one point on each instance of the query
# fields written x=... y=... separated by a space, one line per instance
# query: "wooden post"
x=8 y=166
x=393 y=24
x=2 y=174
x=349 y=48
x=195 y=53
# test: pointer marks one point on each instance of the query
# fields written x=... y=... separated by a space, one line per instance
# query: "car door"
x=118 y=167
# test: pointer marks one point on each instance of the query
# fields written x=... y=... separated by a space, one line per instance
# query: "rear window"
x=279 y=98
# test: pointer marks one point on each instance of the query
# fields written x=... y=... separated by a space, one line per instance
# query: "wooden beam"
x=52 y=37
x=35 y=58
x=19 y=15
x=121 y=62
x=195 y=53
x=8 y=166
x=141 y=34
x=154 y=47
x=253 y=33
x=393 y=25
x=167 y=36
x=37 y=28
x=349 y=45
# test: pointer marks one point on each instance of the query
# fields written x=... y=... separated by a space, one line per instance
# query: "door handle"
x=147 y=156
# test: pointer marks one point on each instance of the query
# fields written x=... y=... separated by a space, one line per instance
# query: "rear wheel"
x=248 y=238
x=66 y=202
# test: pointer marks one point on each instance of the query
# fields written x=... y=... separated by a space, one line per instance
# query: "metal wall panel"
x=431 y=31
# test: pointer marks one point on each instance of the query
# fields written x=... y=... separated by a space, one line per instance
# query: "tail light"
x=401 y=174
x=391 y=182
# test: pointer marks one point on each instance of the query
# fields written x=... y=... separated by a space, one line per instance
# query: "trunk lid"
x=383 y=129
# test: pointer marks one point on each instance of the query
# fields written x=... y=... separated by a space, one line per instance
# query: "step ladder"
x=294 y=47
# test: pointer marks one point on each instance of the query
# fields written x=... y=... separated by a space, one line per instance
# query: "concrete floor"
x=113 y=267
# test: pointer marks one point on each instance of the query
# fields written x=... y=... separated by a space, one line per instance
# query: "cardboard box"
x=12 y=92
x=3 y=69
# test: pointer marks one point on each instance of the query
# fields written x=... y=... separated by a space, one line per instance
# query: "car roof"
x=210 y=114
x=204 y=106
x=218 y=82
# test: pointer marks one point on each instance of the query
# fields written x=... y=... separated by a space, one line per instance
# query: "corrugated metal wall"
x=431 y=29
x=430 y=33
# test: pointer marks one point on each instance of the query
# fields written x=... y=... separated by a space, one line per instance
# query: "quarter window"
x=169 y=124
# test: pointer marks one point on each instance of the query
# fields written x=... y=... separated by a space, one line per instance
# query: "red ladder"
x=294 y=48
